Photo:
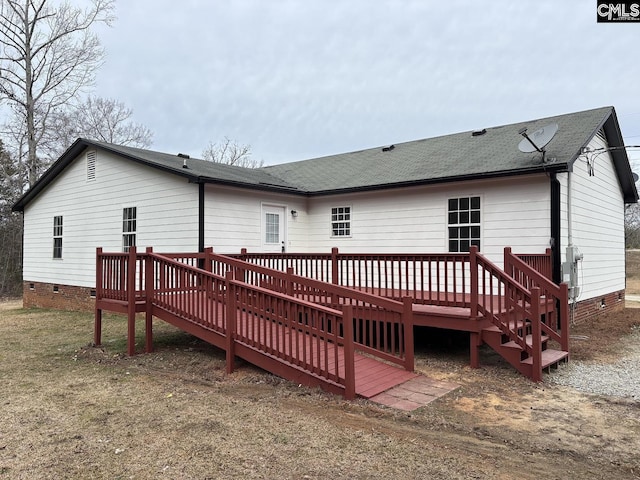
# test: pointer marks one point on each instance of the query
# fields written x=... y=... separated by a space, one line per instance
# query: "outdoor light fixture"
x=294 y=213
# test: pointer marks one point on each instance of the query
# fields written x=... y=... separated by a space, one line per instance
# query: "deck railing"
x=115 y=280
x=272 y=322
x=192 y=294
x=435 y=279
x=382 y=327
x=319 y=266
x=268 y=301
x=518 y=299
x=540 y=262
x=262 y=319
x=554 y=298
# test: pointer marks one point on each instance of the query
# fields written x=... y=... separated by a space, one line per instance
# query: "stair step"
x=512 y=326
x=529 y=340
x=549 y=357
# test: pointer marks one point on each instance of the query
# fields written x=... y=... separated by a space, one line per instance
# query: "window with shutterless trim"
x=57 y=236
x=463 y=223
x=341 y=221
x=129 y=227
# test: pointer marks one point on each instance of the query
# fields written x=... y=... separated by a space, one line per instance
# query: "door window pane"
x=272 y=228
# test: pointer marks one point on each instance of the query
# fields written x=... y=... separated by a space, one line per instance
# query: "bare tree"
x=101 y=119
x=48 y=54
x=231 y=152
x=632 y=225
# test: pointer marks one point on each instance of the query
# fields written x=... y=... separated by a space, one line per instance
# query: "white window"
x=341 y=221
x=464 y=223
x=57 y=237
x=129 y=215
x=91 y=166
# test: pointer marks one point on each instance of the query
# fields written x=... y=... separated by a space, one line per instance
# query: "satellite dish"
x=635 y=177
x=538 y=139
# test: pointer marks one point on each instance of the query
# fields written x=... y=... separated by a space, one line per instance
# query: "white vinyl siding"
x=93 y=217
x=514 y=212
x=233 y=219
x=597 y=208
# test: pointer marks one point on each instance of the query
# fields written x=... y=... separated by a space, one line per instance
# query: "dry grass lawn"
x=74 y=411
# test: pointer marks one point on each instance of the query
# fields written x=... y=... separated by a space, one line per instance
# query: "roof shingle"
x=461 y=156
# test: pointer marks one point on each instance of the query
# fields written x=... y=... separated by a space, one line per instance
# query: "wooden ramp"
x=340 y=351
x=296 y=354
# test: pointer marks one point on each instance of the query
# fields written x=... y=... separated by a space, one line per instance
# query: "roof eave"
x=559 y=167
x=621 y=162
x=246 y=185
x=620 y=159
x=52 y=172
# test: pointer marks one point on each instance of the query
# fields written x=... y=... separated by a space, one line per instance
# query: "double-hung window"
x=129 y=215
x=464 y=223
x=341 y=221
x=57 y=236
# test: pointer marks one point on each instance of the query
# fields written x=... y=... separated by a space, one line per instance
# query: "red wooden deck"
x=351 y=340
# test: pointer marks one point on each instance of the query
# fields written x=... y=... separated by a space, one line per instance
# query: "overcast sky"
x=300 y=79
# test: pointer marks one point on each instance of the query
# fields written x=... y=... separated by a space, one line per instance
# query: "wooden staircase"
x=532 y=311
x=518 y=356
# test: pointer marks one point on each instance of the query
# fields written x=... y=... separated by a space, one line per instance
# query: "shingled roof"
x=490 y=152
x=460 y=156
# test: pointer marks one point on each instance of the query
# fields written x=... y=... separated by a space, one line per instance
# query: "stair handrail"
x=552 y=295
x=515 y=303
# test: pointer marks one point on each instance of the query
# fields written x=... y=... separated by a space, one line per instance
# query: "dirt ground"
x=70 y=410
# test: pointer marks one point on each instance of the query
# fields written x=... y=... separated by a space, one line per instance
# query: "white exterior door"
x=273 y=232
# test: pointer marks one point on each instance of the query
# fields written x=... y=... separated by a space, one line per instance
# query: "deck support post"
x=97 y=328
x=474 y=345
x=231 y=312
x=475 y=339
x=97 y=325
x=407 y=325
x=536 y=333
x=349 y=353
x=564 y=317
x=148 y=300
x=131 y=302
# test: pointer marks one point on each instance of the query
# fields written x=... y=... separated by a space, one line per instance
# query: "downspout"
x=569 y=220
x=572 y=255
x=200 y=217
x=556 y=231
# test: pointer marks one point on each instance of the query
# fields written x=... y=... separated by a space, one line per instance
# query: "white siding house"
x=429 y=196
x=92 y=207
